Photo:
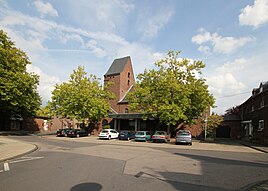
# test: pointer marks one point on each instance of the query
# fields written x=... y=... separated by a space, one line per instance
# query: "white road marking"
x=6 y=166
x=22 y=159
x=1 y=171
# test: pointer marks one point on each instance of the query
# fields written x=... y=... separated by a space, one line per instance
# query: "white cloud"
x=158 y=56
x=224 y=81
x=151 y=23
x=64 y=38
x=45 y=8
x=46 y=82
x=219 y=44
x=255 y=15
x=234 y=66
x=125 y=6
x=99 y=15
x=204 y=49
x=93 y=46
x=231 y=82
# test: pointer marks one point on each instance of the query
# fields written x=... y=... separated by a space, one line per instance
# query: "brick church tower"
x=121 y=76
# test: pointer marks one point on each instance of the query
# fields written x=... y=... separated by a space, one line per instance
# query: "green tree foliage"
x=82 y=98
x=44 y=111
x=213 y=122
x=18 y=88
x=173 y=93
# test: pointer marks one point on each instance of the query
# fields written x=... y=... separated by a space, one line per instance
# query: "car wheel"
x=77 y=135
x=176 y=143
x=109 y=137
x=190 y=144
x=153 y=141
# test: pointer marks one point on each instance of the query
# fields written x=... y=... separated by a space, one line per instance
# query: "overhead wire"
x=232 y=95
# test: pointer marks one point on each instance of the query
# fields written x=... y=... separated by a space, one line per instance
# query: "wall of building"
x=126 y=79
x=114 y=88
x=254 y=110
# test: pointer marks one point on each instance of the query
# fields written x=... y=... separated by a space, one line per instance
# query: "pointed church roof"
x=117 y=66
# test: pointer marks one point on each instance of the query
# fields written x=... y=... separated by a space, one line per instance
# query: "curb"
x=254 y=186
x=22 y=154
x=250 y=146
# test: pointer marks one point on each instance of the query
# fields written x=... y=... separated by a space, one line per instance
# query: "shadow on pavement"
x=181 y=186
x=215 y=160
x=87 y=187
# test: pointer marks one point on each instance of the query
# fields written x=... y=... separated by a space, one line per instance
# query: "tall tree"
x=173 y=93
x=18 y=88
x=82 y=98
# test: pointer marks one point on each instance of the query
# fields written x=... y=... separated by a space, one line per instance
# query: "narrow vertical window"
x=262 y=102
x=261 y=125
x=126 y=110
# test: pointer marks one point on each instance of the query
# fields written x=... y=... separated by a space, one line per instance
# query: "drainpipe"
x=206 y=123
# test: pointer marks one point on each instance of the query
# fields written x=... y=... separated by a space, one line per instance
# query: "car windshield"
x=159 y=133
x=140 y=133
x=124 y=132
x=105 y=131
x=184 y=133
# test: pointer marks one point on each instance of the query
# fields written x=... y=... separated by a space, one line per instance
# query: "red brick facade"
x=122 y=80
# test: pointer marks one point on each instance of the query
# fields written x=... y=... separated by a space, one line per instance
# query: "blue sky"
x=230 y=37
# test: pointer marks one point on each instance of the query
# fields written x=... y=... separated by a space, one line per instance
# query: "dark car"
x=126 y=135
x=160 y=136
x=77 y=133
x=63 y=132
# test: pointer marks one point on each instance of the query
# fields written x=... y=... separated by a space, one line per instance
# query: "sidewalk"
x=10 y=148
x=255 y=146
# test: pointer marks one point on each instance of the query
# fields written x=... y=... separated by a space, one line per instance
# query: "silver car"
x=184 y=136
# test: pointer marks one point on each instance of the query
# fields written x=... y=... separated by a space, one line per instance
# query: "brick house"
x=254 y=115
x=250 y=121
x=230 y=127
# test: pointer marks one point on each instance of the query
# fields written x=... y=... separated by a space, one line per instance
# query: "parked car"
x=142 y=136
x=160 y=136
x=184 y=136
x=108 y=134
x=77 y=133
x=126 y=135
x=63 y=132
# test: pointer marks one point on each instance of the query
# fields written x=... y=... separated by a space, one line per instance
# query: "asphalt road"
x=85 y=164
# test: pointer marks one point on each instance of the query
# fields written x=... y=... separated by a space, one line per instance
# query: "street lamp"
x=206 y=123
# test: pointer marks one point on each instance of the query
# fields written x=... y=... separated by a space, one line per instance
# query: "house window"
x=128 y=75
x=262 y=102
x=128 y=82
x=126 y=110
x=245 y=110
x=252 y=108
x=261 y=125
